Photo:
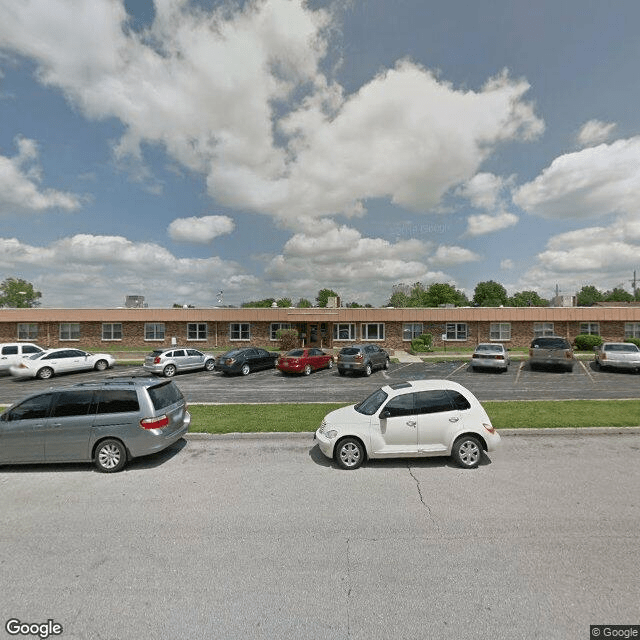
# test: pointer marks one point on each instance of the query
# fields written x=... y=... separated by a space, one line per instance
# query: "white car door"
x=398 y=426
x=438 y=419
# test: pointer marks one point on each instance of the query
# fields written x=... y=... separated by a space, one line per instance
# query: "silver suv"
x=363 y=358
x=168 y=362
x=105 y=422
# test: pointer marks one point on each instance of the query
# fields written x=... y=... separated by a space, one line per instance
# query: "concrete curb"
x=561 y=431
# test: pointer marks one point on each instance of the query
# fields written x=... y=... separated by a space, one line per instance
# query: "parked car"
x=618 y=355
x=363 y=358
x=168 y=362
x=489 y=355
x=55 y=361
x=246 y=360
x=105 y=422
x=12 y=352
x=551 y=351
x=422 y=418
x=304 y=361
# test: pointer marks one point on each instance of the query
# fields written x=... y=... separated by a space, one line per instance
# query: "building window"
x=69 y=331
x=112 y=331
x=344 y=331
x=590 y=328
x=500 y=331
x=277 y=326
x=372 y=331
x=541 y=329
x=197 y=331
x=632 y=330
x=154 y=331
x=240 y=331
x=27 y=331
x=457 y=331
x=412 y=330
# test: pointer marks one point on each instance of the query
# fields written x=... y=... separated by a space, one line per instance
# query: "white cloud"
x=595 y=132
x=592 y=182
x=506 y=264
x=200 y=230
x=450 y=255
x=483 y=223
x=20 y=178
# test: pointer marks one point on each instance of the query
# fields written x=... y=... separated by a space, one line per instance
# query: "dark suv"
x=551 y=351
x=105 y=422
x=363 y=358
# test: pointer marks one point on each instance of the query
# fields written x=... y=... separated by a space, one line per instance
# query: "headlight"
x=331 y=434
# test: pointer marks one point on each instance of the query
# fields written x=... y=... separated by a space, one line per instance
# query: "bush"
x=586 y=342
x=635 y=341
x=288 y=339
x=422 y=343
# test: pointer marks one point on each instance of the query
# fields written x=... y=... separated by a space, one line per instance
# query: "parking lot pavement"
x=519 y=383
x=267 y=539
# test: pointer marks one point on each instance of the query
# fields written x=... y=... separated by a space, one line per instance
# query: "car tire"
x=246 y=370
x=169 y=371
x=349 y=454
x=45 y=373
x=367 y=370
x=342 y=372
x=386 y=364
x=111 y=456
x=210 y=365
x=101 y=365
x=307 y=370
x=466 y=452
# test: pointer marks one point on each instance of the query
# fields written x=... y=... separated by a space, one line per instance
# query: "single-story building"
x=391 y=328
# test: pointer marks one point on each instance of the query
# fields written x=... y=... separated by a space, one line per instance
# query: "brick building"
x=392 y=328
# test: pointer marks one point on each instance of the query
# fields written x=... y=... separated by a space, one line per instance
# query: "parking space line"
x=464 y=364
x=519 y=372
x=582 y=364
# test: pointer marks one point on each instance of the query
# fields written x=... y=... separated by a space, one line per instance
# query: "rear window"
x=156 y=353
x=350 y=351
x=297 y=353
x=164 y=395
x=626 y=348
x=118 y=401
x=550 y=343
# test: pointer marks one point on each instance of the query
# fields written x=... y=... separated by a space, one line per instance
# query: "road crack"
x=427 y=507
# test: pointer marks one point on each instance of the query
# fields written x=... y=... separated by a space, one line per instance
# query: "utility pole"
x=634 y=284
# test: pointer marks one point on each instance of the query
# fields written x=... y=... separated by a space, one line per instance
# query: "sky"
x=214 y=152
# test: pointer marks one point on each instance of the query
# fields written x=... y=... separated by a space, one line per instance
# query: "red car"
x=304 y=361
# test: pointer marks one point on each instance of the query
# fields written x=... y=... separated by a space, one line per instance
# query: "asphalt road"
x=519 y=383
x=265 y=538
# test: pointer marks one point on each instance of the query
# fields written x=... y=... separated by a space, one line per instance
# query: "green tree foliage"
x=267 y=302
x=489 y=294
x=284 y=303
x=323 y=296
x=618 y=295
x=303 y=303
x=434 y=295
x=19 y=294
x=527 y=299
x=588 y=296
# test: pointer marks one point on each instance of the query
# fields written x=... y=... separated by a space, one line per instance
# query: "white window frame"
x=542 y=329
x=413 y=329
x=365 y=330
x=632 y=330
x=27 y=330
x=590 y=328
x=242 y=330
x=458 y=329
x=110 y=331
x=199 y=329
x=69 y=331
x=154 y=331
x=339 y=327
x=500 y=331
x=278 y=326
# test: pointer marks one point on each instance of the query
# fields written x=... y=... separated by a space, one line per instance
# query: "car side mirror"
x=385 y=414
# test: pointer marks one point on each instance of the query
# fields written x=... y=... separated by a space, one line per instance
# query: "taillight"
x=489 y=427
x=359 y=357
x=155 y=423
x=156 y=360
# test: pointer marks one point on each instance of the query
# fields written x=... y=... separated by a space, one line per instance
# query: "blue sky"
x=276 y=147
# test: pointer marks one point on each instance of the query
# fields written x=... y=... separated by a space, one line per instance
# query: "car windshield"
x=296 y=353
x=627 y=348
x=492 y=348
x=371 y=404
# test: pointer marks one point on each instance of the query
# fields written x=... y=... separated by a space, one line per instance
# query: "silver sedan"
x=618 y=355
x=489 y=355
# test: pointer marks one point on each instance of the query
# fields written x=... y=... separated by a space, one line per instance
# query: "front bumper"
x=324 y=444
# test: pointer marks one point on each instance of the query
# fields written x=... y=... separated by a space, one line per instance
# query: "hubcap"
x=350 y=454
x=469 y=452
x=109 y=456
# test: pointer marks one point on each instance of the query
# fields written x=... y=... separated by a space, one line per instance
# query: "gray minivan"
x=105 y=422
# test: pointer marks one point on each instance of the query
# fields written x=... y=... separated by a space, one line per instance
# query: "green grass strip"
x=268 y=418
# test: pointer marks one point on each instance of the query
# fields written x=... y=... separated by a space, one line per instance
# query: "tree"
x=440 y=293
x=527 y=299
x=267 y=302
x=618 y=295
x=588 y=296
x=303 y=303
x=284 y=302
x=323 y=297
x=18 y=293
x=399 y=299
x=489 y=294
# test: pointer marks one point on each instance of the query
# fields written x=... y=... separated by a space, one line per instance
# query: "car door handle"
x=411 y=423
x=454 y=419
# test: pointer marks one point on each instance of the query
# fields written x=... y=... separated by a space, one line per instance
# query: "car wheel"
x=386 y=363
x=210 y=365
x=349 y=453
x=246 y=370
x=467 y=452
x=367 y=370
x=111 y=456
x=45 y=373
x=169 y=371
x=101 y=365
x=307 y=370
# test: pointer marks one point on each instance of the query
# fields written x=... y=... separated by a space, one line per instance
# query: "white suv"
x=12 y=352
